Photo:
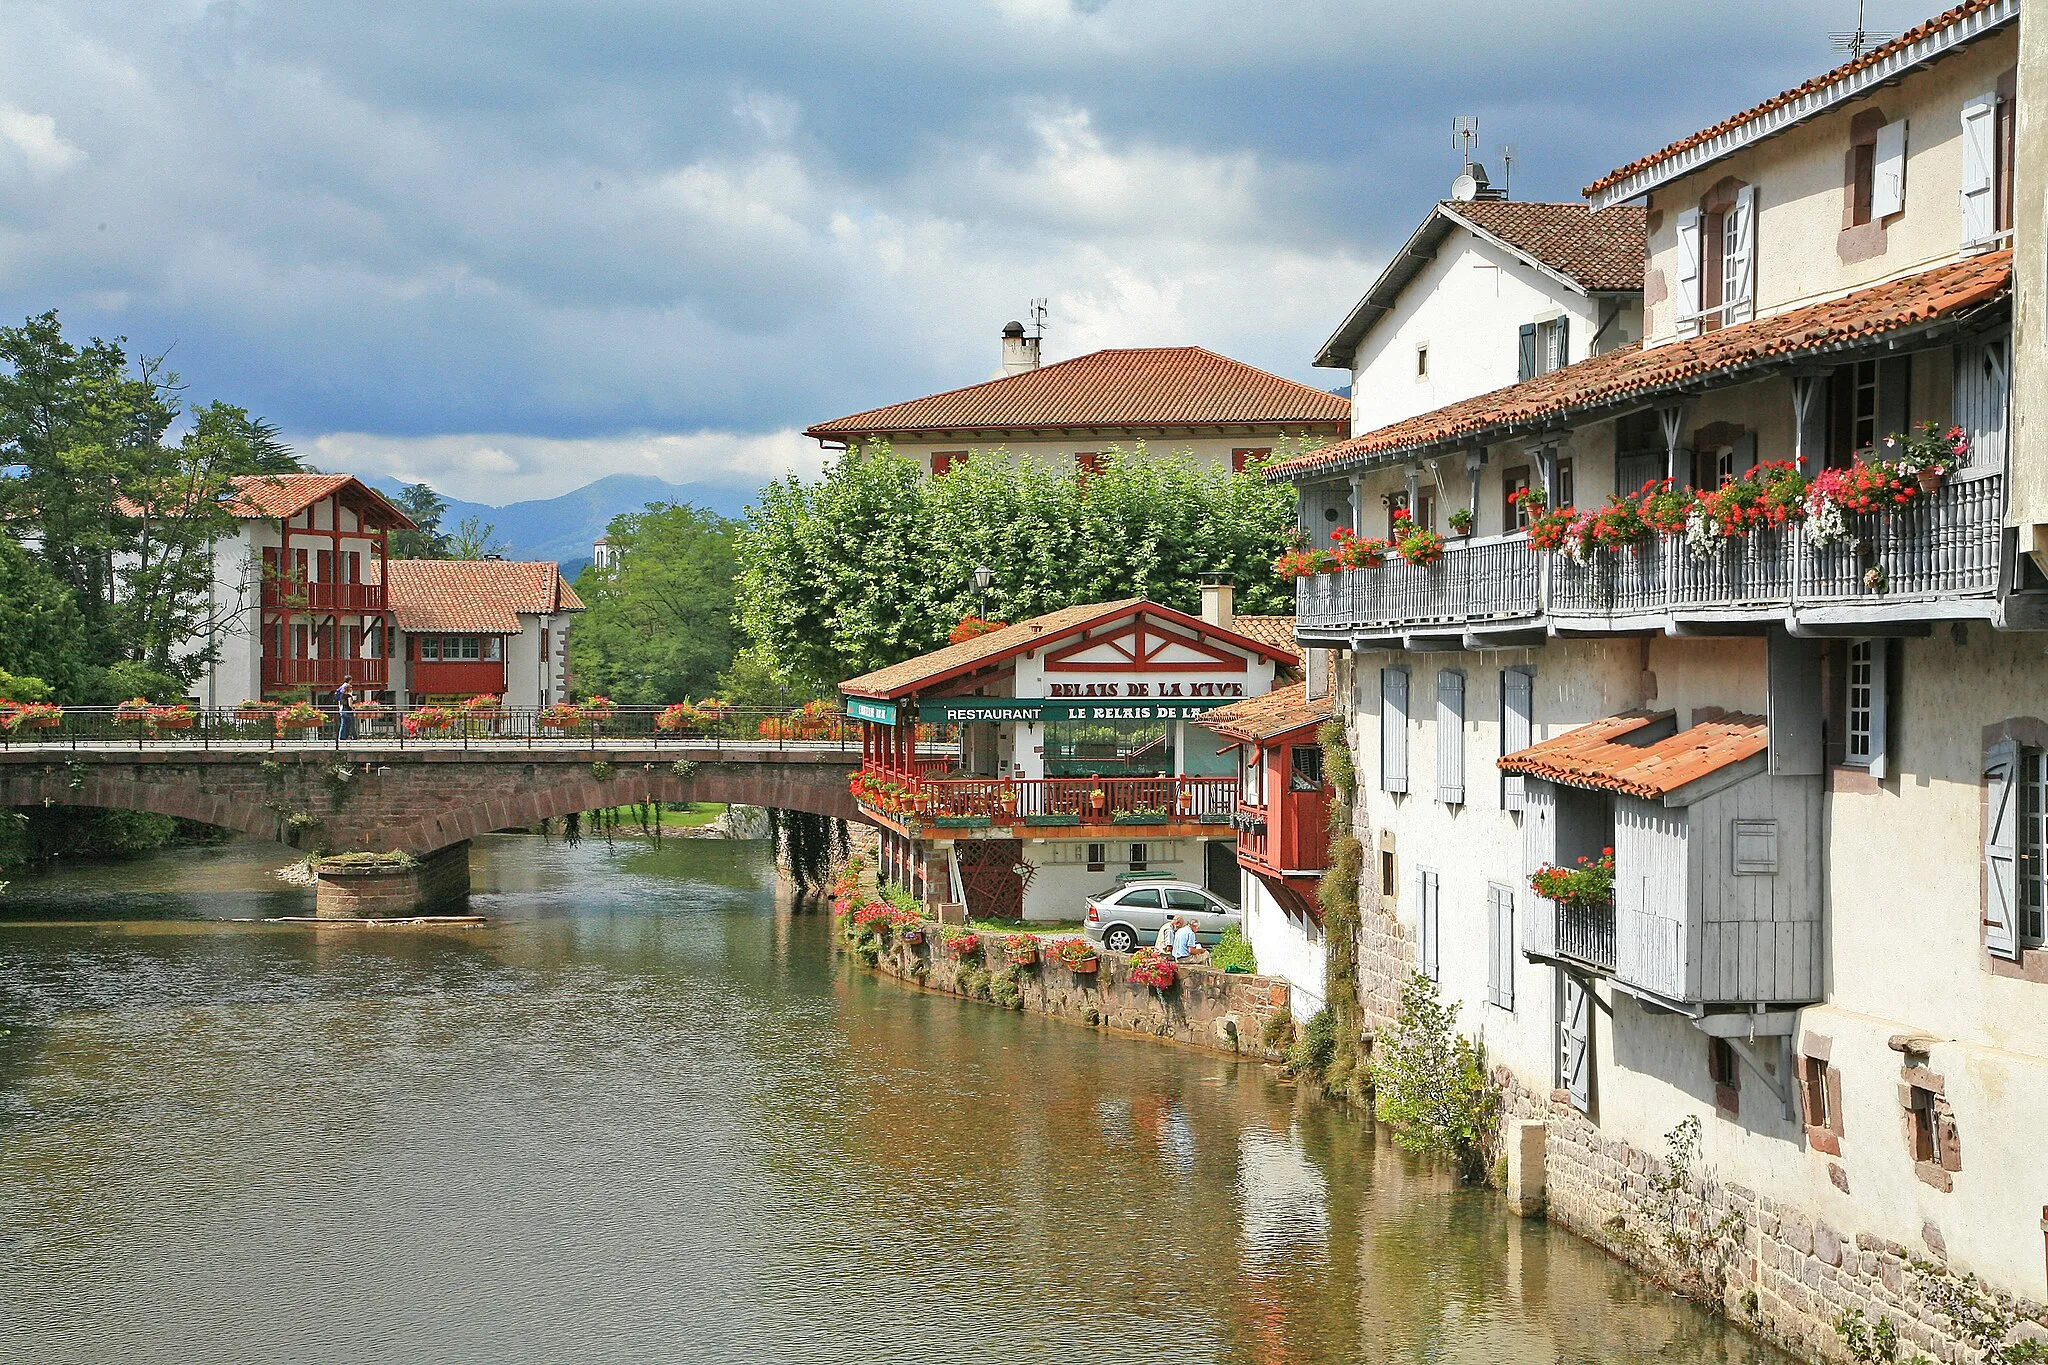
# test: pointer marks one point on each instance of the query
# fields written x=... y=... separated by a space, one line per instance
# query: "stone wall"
x=376 y=890
x=1221 y=1011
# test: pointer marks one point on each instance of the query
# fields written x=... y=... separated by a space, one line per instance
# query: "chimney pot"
x=1020 y=352
x=1218 y=608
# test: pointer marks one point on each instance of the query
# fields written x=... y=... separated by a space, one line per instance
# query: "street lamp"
x=983 y=576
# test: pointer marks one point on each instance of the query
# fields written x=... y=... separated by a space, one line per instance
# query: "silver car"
x=1129 y=915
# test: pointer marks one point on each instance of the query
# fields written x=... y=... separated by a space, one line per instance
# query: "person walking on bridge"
x=345 y=708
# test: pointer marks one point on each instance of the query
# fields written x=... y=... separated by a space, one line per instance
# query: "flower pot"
x=1930 y=480
x=1087 y=968
x=1023 y=957
x=913 y=937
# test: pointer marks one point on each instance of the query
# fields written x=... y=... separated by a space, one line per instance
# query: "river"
x=646 y=1116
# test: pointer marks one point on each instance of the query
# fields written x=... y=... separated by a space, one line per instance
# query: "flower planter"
x=1086 y=968
x=1930 y=480
x=1023 y=957
x=39 y=722
x=1213 y=817
x=1133 y=818
x=913 y=938
x=1069 y=819
x=170 y=722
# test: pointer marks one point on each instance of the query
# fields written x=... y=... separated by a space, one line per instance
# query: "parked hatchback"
x=1129 y=917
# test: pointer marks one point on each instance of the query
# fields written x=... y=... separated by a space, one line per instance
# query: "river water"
x=648 y=1117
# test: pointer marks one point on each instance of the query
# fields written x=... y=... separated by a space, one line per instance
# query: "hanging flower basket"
x=1078 y=956
x=1150 y=969
x=560 y=716
x=1022 y=949
x=913 y=938
x=300 y=715
x=32 y=715
x=253 y=712
x=963 y=944
x=429 y=720
x=162 y=718
x=132 y=712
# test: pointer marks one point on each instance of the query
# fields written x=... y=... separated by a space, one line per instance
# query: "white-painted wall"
x=1292 y=949
x=1467 y=306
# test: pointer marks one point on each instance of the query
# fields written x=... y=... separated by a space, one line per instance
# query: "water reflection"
x=648 y=1117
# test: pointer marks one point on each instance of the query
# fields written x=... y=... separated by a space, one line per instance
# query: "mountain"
x=562 y=528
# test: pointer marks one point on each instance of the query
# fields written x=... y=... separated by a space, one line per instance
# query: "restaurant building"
x=1018 y=771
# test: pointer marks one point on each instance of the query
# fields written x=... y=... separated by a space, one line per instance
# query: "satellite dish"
x=1465 y=188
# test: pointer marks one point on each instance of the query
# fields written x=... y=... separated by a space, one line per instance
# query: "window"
x=1513 y=483
x=1987 y=177
x=1098 y=860
x=1304 y=768
x=1565 y=497
x=943 y=460
x=1241 y=460
x=1544 y=346
x=1868 y=401
x=1138 y=860
x=1145 y=899
x=1862 y=181
x=543 y=643
x=1422 y=362
x=2031 y=871
x=1717 y=259
x=1252 y=776
x=1877 y=172
x=1725 y=1071
x=1923 y=1132
x=1500 y=973
x=1864 y=731
x=1389 y=877
x=1182 y=901
x=1820 y=1100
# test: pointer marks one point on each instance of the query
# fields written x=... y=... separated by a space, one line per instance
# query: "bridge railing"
x=809 y=729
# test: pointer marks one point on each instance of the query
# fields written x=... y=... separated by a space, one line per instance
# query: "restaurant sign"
x=880 y=712
x=1037 y=709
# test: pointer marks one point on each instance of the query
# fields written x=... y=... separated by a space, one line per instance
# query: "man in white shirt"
x=1183 y=940
x=1163 y=945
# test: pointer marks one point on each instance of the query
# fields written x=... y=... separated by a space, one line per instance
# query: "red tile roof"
x=913 y=675
x=1874 y=57
x=1277 y=631
x=1279 y=711
x=1613 y=755
x=1164 y=386
x=1633 y=374
x=1601 y=251
x=287 y=495
x=474 y=596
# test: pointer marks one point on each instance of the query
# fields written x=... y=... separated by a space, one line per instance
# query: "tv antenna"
x=1861 y=40
x=1465 y=134
x=1507 y=169
x=1037 y=310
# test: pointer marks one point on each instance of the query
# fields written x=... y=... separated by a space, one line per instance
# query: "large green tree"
x=659 y=620
x=424 y=508
x=875 y=562
x=119 y=516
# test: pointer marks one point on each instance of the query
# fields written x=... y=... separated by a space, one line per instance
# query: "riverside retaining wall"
x=1207 y=1008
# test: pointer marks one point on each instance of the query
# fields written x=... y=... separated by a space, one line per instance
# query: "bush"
x=1429 y=1083
x=1317 y=1045
x=1233 y=951
x=1278 y=1033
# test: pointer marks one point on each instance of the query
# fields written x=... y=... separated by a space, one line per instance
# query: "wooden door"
x=989 y=878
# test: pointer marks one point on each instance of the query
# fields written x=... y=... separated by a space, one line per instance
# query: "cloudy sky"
x=512 y=245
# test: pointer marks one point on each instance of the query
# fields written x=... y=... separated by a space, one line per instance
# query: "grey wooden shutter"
x=1431 y=927
x=2001 y=849
x=1575 y=1041
x=1688 y=298
x=1394 y=729
x=1983 y=391
x=1450 y=737
x=1976 y=188
x=1739 y=292
x=1525 y=363
x=1564 y=341
x=1517 y=692
x=1888 y=172
x=1500 y=919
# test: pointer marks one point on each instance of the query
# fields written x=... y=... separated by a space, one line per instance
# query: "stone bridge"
x=425 y=801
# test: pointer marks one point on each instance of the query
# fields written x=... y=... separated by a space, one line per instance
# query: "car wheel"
x=1119 y=938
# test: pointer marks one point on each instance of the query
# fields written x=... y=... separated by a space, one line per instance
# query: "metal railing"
x=748 y=728
x=1943 y=545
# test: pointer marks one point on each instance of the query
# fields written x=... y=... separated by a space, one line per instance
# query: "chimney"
x=1020 y=352
x=1217 y=607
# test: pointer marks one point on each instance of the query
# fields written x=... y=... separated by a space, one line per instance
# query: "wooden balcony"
x=284 y=594
x=1934 y=550
x=371 y=675
x=456 y=679
x=1161 y=803
x=1291 y=836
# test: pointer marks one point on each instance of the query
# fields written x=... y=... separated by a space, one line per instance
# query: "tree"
x=875 y=562
x=475 y=538
x=658 y=625
x=424 y=508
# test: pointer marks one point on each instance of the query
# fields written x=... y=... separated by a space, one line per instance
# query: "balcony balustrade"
x=1943 y=546
x=288 y=594
x=1585 y=934
x=1070 y=799
x=369 y=674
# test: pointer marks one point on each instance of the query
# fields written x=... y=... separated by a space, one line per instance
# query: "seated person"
x=1185 y=947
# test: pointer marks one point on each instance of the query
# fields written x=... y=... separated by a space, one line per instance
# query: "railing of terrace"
x=625 y=726
x=1943 y=545
x=1192 y=798
x=1586 y=934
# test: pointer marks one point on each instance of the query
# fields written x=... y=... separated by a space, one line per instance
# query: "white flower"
x=1700 y=536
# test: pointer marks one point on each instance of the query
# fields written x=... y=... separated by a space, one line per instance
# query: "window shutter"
x=1575 y=1041
x=1432 y=928
x=2001 y=849
x=1688 y=292
x=1979 y=222
x=1517 y=688
x=1880 y=651
x=1394 y=729
x=1983 y=390
x=1450 y=737
x=1500 y=918
x=1888 y=173
x=1563 y=335
x=1525 y=362
x=1740 y=292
